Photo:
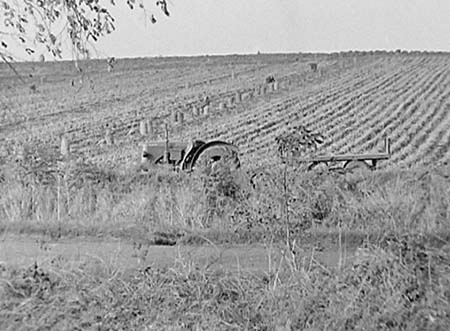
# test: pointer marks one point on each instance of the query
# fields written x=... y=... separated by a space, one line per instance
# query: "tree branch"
x=12 y=67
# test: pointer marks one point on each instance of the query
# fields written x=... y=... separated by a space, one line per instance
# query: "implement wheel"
x=357 y=167
x=319 y=166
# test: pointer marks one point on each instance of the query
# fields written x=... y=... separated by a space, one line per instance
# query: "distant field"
x=353 y=99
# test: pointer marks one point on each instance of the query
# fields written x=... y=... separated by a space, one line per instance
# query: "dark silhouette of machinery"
x=187 y=156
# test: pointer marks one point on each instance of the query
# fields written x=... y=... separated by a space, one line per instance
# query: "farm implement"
x=300 y=145
x=296 y=149
x=349 y=162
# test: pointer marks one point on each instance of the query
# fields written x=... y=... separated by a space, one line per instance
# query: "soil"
x=22 y=251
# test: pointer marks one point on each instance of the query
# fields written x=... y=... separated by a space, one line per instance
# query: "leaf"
x=20 y=28
x=52 y=38
x=163 y=5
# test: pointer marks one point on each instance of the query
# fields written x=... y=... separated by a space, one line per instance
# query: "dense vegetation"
x=400 y=284
x=398 y=279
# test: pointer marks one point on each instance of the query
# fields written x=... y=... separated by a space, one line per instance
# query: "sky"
x=271 y=26
x=198 y=27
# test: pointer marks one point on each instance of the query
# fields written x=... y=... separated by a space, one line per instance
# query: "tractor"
x=188 y=156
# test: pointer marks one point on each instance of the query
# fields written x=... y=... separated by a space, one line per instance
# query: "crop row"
x=354 y=104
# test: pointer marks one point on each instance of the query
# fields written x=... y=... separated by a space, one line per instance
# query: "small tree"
x=31 y=23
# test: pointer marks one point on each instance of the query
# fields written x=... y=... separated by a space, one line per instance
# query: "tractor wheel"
x=216 y=157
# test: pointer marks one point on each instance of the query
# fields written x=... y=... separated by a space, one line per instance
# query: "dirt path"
x=25 y=250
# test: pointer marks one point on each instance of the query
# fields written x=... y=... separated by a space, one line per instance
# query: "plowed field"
x=353 y=99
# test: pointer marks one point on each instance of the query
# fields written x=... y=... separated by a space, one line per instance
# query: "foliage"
x=50 y=22
x=300 y=142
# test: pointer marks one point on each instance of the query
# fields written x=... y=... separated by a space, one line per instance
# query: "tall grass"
x=91 y=201
x=402 y=283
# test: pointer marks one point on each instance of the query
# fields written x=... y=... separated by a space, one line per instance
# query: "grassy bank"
x=80 y=199
x=402 y=283
x=398 y=280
